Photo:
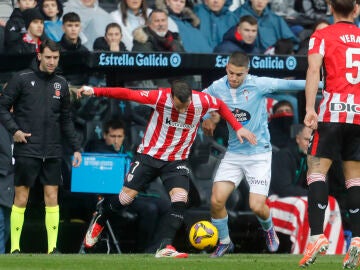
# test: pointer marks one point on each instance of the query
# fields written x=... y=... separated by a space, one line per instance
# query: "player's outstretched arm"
x=244 y=133
x=84 y=91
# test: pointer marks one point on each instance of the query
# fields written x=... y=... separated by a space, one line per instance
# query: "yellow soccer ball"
x=203 y=235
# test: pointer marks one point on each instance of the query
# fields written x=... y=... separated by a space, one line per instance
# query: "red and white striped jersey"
x=170 y=134
x=339 y=44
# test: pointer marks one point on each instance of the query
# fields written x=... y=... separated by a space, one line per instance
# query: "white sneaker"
x=352 y=257
x=92 y=235
x=170 y=252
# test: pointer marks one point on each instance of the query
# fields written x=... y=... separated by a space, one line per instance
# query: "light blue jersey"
x=247 y=103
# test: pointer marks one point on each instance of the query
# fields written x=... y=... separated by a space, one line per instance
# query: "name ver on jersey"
x=350 y=38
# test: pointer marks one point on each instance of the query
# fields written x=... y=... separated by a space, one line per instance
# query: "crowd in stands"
x=220 y=26
x=253 y=26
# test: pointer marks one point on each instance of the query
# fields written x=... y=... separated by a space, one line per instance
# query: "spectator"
x=71 y=43
x=15 y=26
x=52 y=11
x=241 y=37
x=38 y=96
x=148 y=206
x=304 y=44
x=313 y=10
x=31 y=40
x=130 y=15
x=280 y=124
x=188 y=24
x=6 y=186
x=112 y=41
x=272 y=28
x=6 y=8
x=216 y=19
x=156 y=37
x=289 y=167
x=93 y=19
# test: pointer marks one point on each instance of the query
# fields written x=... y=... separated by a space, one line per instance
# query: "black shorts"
x=145 y=169
x=336 y=141
x=28 y=169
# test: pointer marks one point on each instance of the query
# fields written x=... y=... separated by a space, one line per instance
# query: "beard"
x=161 y=33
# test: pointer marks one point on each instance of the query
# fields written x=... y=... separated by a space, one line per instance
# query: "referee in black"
x=41 y=118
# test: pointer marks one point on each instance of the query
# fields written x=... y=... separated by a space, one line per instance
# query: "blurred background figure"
x=130 y=15
x=216 y=19
x=94 y=19
x=188 y=24
x=52 y=11
x=280 y=124
x=15 y=26
x=241 y=37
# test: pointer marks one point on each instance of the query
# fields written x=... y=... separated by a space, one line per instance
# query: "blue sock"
x=222 y=226
x=265 y=224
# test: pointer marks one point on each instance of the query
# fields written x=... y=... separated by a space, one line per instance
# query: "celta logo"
x=344 y=107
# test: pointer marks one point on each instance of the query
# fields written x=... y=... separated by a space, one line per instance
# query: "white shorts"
x=255 y=168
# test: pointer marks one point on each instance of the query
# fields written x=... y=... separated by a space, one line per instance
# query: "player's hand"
x=208 y=127
x=244 y=133
x=85 y=91
x=311 y=119
x=77 y=159
x=20 y=136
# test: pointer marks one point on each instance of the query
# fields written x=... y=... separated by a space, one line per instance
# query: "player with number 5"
x=336 y=126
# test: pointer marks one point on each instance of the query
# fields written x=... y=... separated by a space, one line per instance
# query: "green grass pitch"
x=145 y=262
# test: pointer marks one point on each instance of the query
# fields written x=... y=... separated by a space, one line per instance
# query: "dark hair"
x=124 y=7
x=114 y=124
x=59 y=6
x=71 y=17
x=181 y=90
x=112 y=25
x=239 y=59
x=156 y=10
x=249 y=19
x=318 y=22
x=48 y=43
x=343 y=7
x=281 y=103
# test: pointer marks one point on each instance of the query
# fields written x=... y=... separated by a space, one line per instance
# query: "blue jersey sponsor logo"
x=241 y=116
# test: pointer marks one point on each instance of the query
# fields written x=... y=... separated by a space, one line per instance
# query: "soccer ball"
x=203 y=235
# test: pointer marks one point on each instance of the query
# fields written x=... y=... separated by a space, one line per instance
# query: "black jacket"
x=41 y=107
x=288 y=172
x=14 y=28
x=67 y=46
x=233 y=43
x=100 y=44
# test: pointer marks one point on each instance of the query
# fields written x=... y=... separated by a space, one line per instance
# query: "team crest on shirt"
x=144 y=93
x=57 y=88
x=198 y=111
x=246 y=94
x=129 y=177
x=241 y=116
